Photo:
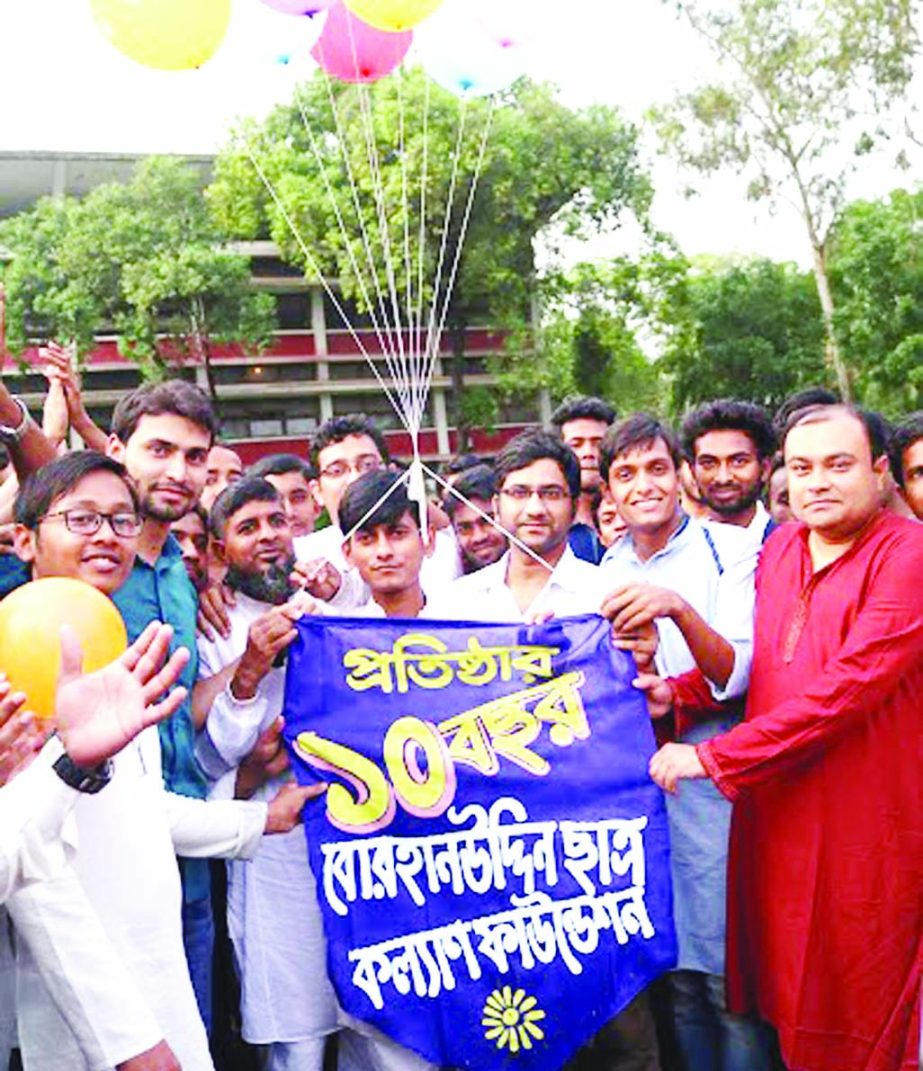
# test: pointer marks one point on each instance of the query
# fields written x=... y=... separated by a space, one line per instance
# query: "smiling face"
x=644 y=485
x=480 y=542
x=103 y=559
x=728 y=471
x=388 y=556
x=167 y=457
x=535 y=505
x=834 y=485
x=257 y=550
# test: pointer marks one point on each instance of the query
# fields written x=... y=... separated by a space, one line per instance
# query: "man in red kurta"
x=826 y=865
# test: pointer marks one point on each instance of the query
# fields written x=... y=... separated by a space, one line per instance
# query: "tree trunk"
x=463 y=432
x=832 y=356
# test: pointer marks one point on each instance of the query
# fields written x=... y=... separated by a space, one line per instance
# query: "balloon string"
x=404 y=478
x=347 y=244
x=385 y=237
x=418 y=349
x=388 y=351
x=492 y=521
x=315 y=269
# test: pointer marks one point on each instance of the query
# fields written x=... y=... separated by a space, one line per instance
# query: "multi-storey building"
x=313 y=370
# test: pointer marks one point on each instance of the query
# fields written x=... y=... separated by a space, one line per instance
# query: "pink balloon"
x=299 y=7
x=353 y=51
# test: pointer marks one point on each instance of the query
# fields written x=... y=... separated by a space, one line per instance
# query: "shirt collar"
x=625 y=547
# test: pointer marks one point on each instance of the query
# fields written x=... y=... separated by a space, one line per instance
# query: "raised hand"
x=96 y=715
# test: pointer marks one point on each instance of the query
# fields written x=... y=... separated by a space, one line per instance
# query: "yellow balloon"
x=392 y=15
x=30 y=644
x=171 y=35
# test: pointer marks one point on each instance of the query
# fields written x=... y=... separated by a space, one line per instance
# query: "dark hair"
x=234 y=497
x=876 y=427
x=903 y=436
x=728 y=414
x=778 y=462
x=582 y=408
x=201 y=512
x=531 y=446
x=280 y=465
x=477 y=482
x=460 y=463
x=632 y=433
x=362 y=494
x=52 y=481
x=4 y=456
x=176 y=397
x=802 y=399
x=338 y=428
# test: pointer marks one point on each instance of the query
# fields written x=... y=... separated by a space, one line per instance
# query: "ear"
x=314 y=488
x=217 y=549
x=24 y=540
x=115 y=448
x=765 y=466
x=429 y=547
x=347 y=552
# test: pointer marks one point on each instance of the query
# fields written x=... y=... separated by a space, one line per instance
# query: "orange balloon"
x=30 y=643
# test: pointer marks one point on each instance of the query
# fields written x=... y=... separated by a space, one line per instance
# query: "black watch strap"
x=83 y=780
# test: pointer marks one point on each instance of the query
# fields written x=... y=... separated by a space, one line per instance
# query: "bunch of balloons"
x=468 y=46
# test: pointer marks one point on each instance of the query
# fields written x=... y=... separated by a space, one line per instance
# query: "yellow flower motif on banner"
x=512 y=1019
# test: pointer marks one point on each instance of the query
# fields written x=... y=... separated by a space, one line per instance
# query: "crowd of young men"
x=781 y=664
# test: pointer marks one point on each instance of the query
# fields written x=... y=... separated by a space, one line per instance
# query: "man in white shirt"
x=538 y=482
x=729 y=446
x=117 y=925
x=343 y=450
x=288 y=1002
x=697 y=588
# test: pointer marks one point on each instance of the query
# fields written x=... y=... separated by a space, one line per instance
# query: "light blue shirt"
x=706 y=567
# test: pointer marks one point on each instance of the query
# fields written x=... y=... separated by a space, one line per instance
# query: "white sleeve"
x=225 y=829
x=82 y=972
x=734 y=611
x=33 y=807
x=352 y=593
x=231 y=731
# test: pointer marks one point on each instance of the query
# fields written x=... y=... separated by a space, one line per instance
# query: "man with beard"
x=287 y=1003
x=481 y=540
x=729 y=445
x=582 y=423
x=162 y=434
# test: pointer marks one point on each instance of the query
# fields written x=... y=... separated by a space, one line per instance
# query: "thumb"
x=646 y=682
x=71 y=656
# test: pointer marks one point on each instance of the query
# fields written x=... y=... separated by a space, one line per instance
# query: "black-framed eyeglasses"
x=521 y=493
x=87 y=522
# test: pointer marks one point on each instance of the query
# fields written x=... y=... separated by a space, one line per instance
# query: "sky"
x=63 y=87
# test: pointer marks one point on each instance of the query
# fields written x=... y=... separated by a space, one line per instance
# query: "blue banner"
x=491 y=856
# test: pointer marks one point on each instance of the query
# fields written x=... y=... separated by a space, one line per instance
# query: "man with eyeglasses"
x=116 y=929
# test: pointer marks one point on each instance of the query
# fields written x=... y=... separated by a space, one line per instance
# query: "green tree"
x=384 y=159
x=601 y=318
x=748 y=330
x=876 y=267
x=802 y=77
x=144 y=259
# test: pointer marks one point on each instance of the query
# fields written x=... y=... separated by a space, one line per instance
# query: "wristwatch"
x=10 y=434
x=83 y=780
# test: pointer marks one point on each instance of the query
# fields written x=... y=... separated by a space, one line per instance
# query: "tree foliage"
x=143 y=259
x=876 y=266
x=802 y=77
x=747 y=330
x=384 y=159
